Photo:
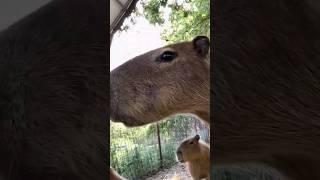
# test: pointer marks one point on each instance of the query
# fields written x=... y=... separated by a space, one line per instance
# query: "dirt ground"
x=178 y=171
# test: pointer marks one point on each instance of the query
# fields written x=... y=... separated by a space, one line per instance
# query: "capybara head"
x=163 y=82
x=189 y=149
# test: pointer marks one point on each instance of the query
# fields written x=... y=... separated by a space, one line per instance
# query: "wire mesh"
x=135 y=152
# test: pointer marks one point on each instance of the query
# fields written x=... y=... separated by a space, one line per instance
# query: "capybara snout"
x=188 y=149
x=179 y=156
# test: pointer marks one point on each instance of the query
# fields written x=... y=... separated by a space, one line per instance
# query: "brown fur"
x=266 y=85
x=144 y=90
x=53 y=101
x=196 y=155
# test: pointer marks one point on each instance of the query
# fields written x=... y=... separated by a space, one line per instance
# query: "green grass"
x=141 y=161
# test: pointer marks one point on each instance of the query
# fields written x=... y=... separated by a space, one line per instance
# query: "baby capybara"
x=196 y=154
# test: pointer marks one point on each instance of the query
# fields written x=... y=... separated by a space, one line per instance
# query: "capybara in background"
x=156 y=85
x=265 y=86
x=53 y=93
x=196 y=154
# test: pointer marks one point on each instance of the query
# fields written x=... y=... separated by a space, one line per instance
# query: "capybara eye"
x=167 y=56
x=191 y=142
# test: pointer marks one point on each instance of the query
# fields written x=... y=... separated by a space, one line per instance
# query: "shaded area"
x=245 y=172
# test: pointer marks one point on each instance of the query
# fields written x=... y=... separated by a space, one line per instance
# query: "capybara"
x=146 y=88
x=171 y=80
x=196 y=154
x=265 y=86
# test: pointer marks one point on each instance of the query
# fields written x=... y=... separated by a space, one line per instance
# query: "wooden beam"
x=125 y=12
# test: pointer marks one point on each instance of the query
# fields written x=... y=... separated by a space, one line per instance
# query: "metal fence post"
x=159 y=143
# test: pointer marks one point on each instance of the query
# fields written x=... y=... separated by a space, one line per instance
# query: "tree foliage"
x=185 y=19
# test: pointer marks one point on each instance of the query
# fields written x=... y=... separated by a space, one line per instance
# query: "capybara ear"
x=197 y=137
x=201 y=45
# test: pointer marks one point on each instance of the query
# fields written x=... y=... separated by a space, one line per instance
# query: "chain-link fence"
x=137 y=153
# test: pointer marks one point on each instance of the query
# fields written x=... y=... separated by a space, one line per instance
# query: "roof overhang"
x=119 y=10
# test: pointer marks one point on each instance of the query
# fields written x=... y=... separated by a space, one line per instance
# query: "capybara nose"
x=179 y=152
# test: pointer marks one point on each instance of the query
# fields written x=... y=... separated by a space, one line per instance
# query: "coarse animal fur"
x=266 y=85
x=147 y=89
x=196 y=155
x=53 y=100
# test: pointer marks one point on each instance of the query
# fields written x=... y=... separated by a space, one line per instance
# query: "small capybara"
x=196 y=154
x=157 y=84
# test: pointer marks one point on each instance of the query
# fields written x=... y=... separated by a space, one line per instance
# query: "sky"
x=138 y=39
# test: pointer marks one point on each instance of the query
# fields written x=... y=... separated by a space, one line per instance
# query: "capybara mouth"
x=132 y=123
x=126 y=120
x=180 y=159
